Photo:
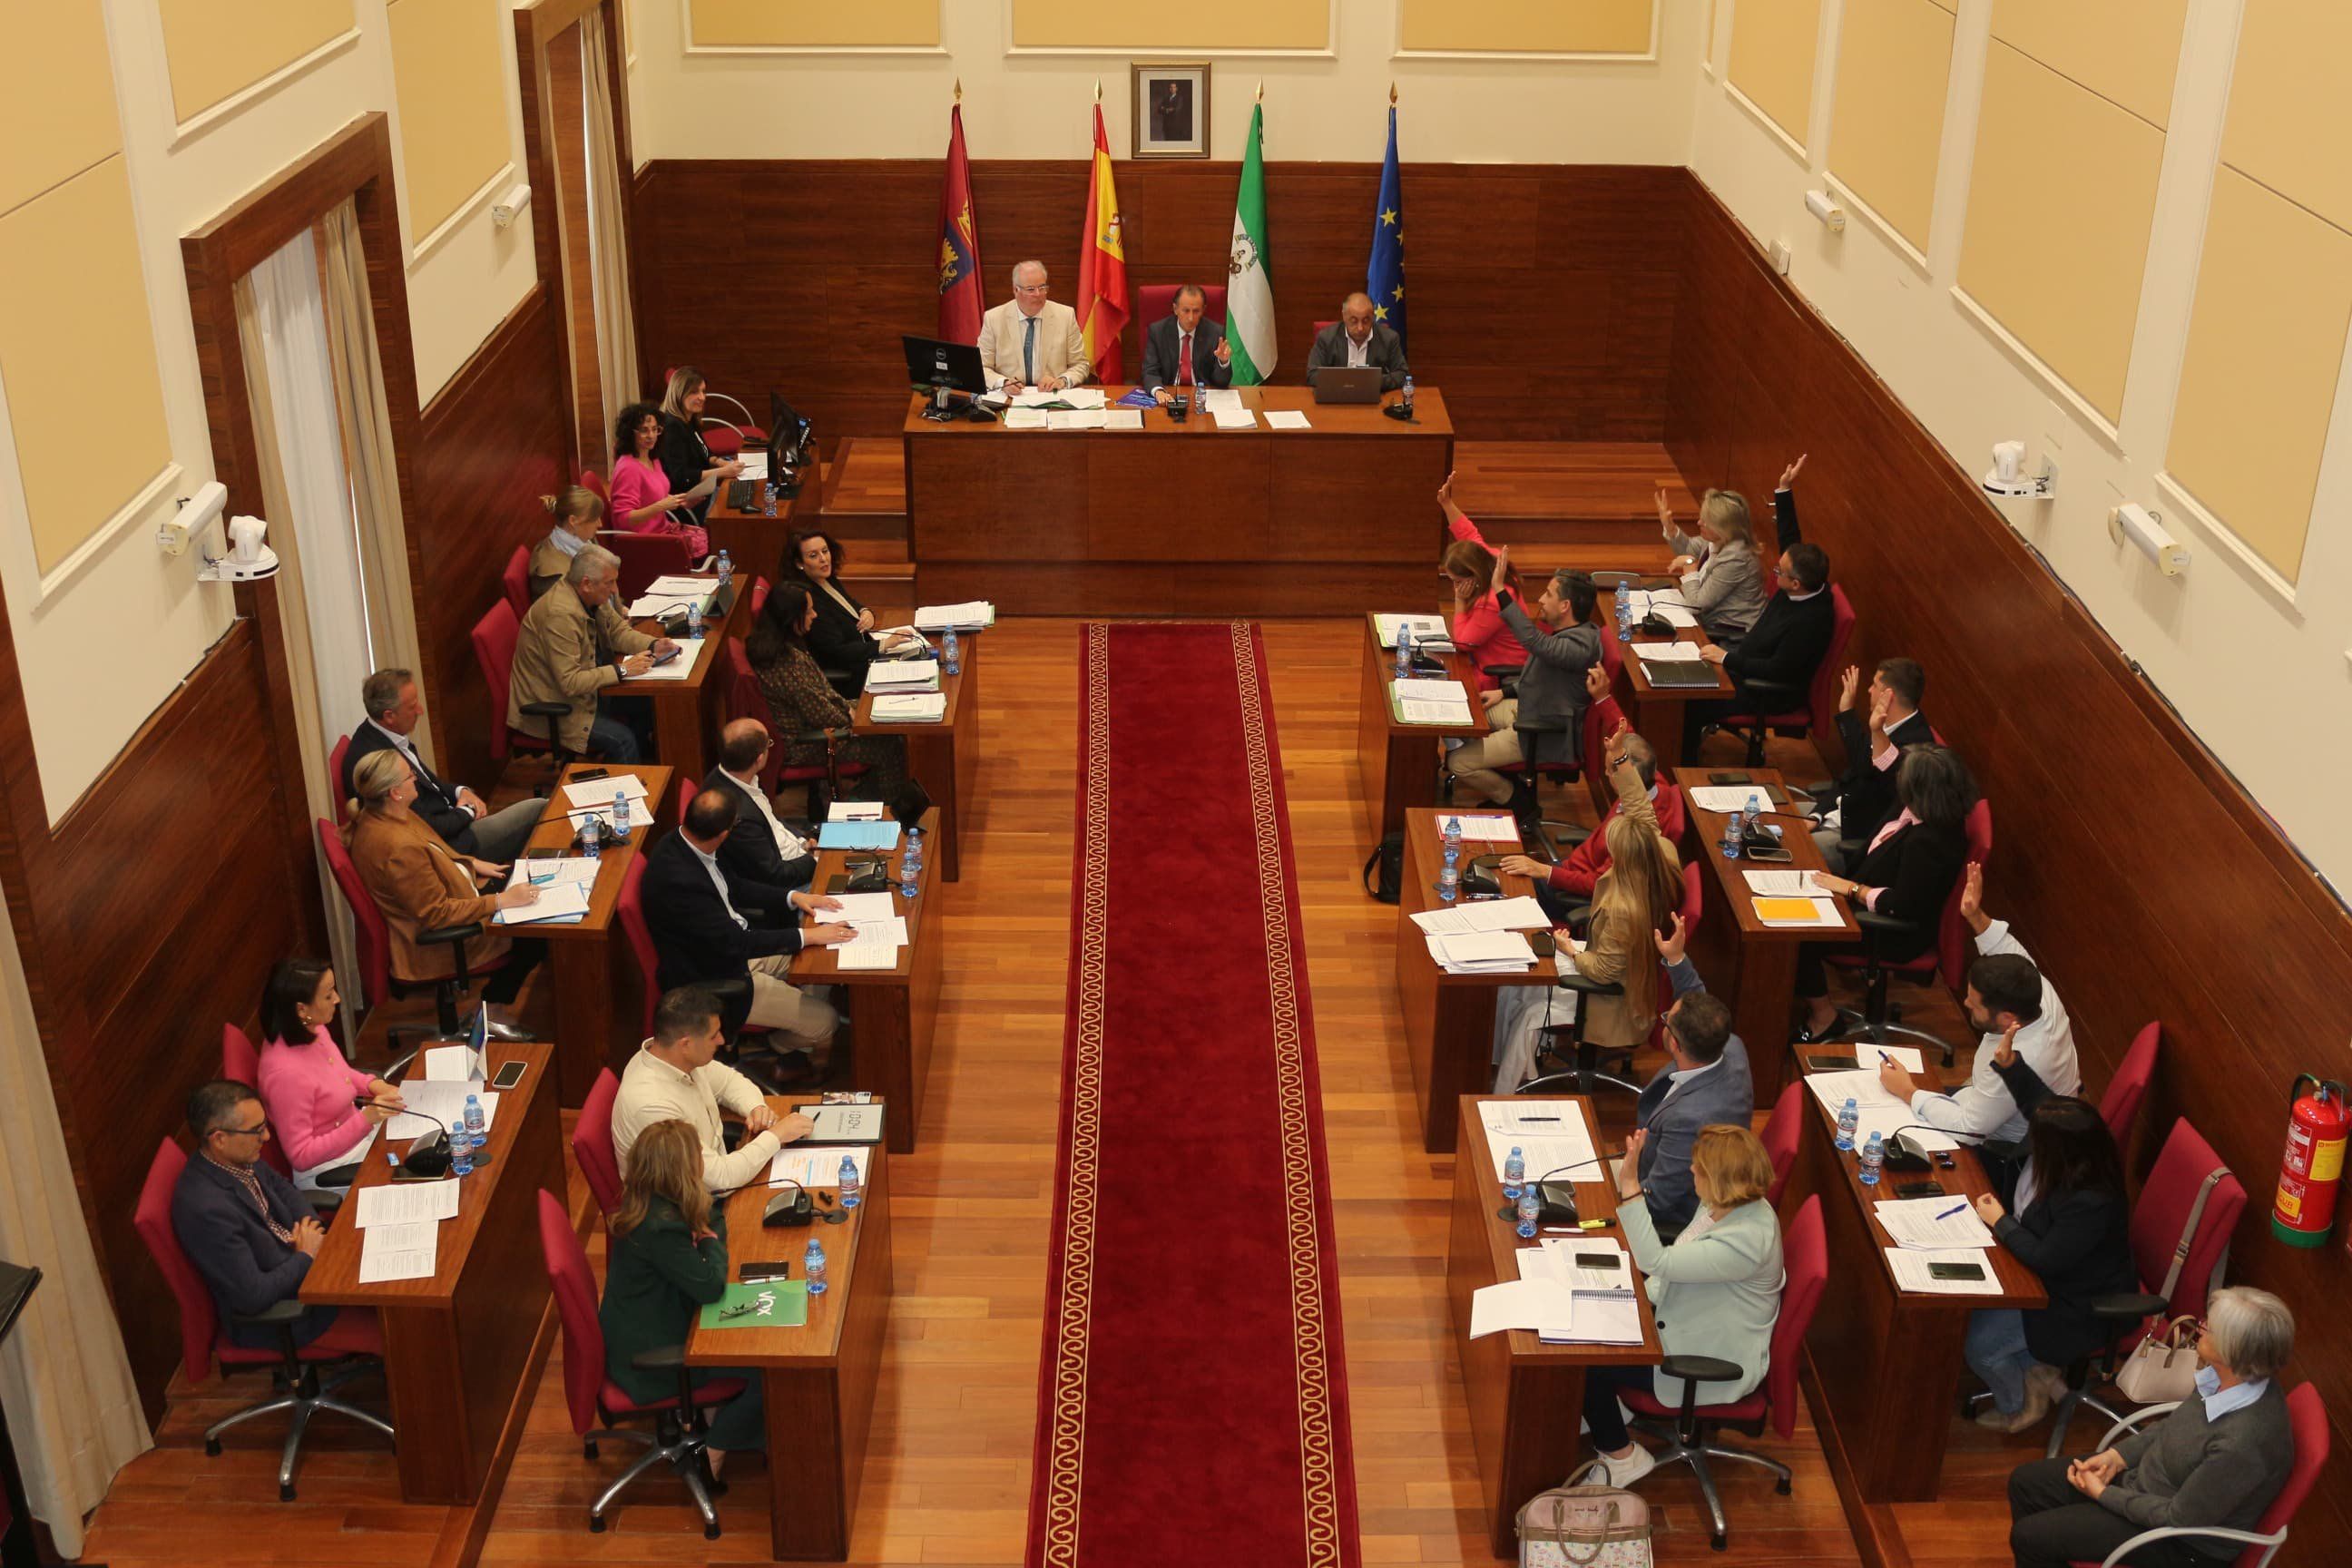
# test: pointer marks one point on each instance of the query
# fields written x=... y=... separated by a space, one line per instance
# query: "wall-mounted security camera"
x=1832 y=215
x=2008 y=481
x=2146 y=532
x=508 y=207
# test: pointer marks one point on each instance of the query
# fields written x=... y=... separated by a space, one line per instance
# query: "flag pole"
x=959 y=90
x=1391 y=95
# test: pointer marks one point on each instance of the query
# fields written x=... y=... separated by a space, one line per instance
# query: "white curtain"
x=322 y=598
x=608 y=240
x=65 y=1381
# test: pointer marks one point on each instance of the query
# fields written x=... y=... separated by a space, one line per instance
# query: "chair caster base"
x=1718 y=1544
x=211 y=1448
x=589 y=1450
x=595 y=1524
x=1782 y=1486
x=285 y=1494
x=709 y=1532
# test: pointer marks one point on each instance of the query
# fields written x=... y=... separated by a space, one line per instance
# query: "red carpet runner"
x=1192 y=1401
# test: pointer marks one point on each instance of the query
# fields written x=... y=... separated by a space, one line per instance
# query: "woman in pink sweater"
x=641 y=499
x=322 y=1108
x=1478 y=630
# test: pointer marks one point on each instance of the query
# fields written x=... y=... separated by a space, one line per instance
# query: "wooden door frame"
x=537 y=27
x=355 y=164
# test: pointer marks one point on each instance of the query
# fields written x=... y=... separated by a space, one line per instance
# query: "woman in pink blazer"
x=643 y=501
x=322 y=1108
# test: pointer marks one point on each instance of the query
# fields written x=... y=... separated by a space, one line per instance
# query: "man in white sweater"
x=675 y=1077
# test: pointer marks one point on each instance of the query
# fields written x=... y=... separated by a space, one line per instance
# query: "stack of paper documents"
x=444 y=1101
x=546 y=869
x=679 y=666
x=1222 y=399
x=1287 y=419
x=1819 y=912
x=600 y=791
x=1426 y=629
x=857 y=835
x=672 y=592
x=1878 y=1112
x=1481 y=953
x=1602 y=1307
x=1914 y=1271
x=1552 y=1136
x=1024 y=419
x=814 y=1165
x=970 y=616
x=1676 y=652
x=1122 y=419
x=854 y=810
x=1482 y=915
x=559 y=903
x=1780 y=884
x=1933 y=1225
x=399 y=1228
x=1075 y=419
x=1729 y=797
x=1486 y=828
x=903 y=675
x=881 y=930
x=1234 y=418
x=911 y=708
x=1430 y=701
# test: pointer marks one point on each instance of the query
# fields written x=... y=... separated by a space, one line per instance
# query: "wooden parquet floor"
x=948 y=1481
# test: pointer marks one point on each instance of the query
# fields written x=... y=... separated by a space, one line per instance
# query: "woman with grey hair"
x=2213 y=1462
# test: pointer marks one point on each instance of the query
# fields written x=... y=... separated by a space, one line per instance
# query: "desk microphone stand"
x=941 y=411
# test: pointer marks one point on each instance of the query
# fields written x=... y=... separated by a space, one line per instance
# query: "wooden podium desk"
x=891 y=1012
x=1526 y=1397
x=754 y=540
x=1883 y=1366
x=1397 y=762
x=688 y=712
x=598 y=1008
x=818 y=1379
x=944 y=758
x=1180 y=519
x=458 y=1346
x=1752 y=966
x=1449 y=1019
x=1655 y=712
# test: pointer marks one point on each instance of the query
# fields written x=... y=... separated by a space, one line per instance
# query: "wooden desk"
x=943 y=757
x=598 y=1008
x=891 y=1012
x=1752 y=966
x=1398 y=762
x=1526 y=1397
x=753 y=538
x=1883 y=1366
x=818 y=1379
x=458 y=1347
x=688 y=712
x=1180 y=519
x=1449 y=1019
x=1655 y=712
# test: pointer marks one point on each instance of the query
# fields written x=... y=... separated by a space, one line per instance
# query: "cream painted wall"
x=87 y=696
x=740 y=105
x=2203 y=637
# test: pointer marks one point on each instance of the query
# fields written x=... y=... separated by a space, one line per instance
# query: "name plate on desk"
x=844 y=1123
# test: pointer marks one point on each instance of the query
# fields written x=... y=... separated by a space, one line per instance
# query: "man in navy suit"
x=463 y=820
x=1186 y=351
x=1706 y=1080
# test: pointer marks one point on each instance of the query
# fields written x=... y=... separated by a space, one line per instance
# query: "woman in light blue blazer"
x=1715 y=1291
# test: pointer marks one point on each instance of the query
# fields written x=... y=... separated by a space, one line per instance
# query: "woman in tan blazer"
x=1635 y=900
x=420 y=883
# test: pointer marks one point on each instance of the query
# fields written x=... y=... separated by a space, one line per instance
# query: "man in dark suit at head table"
x=1359 y=338
x=1186 y=351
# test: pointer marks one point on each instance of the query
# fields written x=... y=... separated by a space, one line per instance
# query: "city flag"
x=959 y=302
x=1249 y=296
x=1102 y=267
x=1385 y=278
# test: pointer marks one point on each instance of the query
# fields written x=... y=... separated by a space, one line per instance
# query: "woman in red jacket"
x=1478 y=630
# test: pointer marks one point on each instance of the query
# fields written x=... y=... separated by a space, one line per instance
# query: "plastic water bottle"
x=951 y=655
x=812 y=1267
x=591 y=838
x=1750 y=814
x=1624 y=614
x=1731 y=836
x=461 y=1150
x=852 y=1190
x=473 y=1119
x=1404 y=396
x=620 y=814
x=1873 y=1155
x=1404 y=652
x=1530 y=1205
x=768 y=498
x=1515 y=1174
x=694 y=619
x=1449 y=882
x=910 y=868
x=726 y=561
x=1454 y=836
x=1848 y=1120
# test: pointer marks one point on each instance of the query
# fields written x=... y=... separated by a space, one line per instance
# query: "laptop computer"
x=1348 y=383
x=1678 y=672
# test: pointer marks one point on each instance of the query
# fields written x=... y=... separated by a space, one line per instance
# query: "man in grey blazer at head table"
x=1030 y=341
x=1185 y=351
x=1359 y=338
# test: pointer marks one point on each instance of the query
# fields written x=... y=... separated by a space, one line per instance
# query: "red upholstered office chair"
x=596 y=1403
x=2306 y=1419
x=1812 y=711
x=592 y=1144
x=375 y=948
x=2158 y=1223
x=1948 y=960
x=594 y=480
x=203 y=1339
x=495 y=635
x=517 y=580
x=759 y=597
x=1689 y=1433
x=1156 y=301
x=644 y=557
x=1782 y=1132
x=2119 y=1107
x=335 y=779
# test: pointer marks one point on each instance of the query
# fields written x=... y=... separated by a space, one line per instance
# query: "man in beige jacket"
x=1030 y=342
x=575 y=642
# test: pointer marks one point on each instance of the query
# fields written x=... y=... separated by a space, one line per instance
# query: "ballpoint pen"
x=1955 y=1208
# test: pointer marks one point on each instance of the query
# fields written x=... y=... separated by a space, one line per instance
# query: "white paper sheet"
x=971 y=614
x=1424 y=627
x=1221 y=399
x=1486 y=828
x=1676 y=652
x=677 y=669
x=407 y=1203
x=1024 y=419
x=1420 y=711
x=445 y=1103
x=545 y=869
x=1876 y=1109
x=452 y=1064
x=1073 y=419
x=600 y=791
x=911 y=708
x=1287 y=419
x=1780 y=884
x=816 y=1165
x=1730 y=797
x=1931 y=1224
x=863 y=954
x=390 y=1252
x=859 y=909
x=557 y=902
x=1504 y=914
x=903 y=675
x=1439 y=956
x=1234 y=418
x=1912 y=1272
x=1122 y=419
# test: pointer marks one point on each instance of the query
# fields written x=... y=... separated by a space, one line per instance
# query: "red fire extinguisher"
x=2313 y=1168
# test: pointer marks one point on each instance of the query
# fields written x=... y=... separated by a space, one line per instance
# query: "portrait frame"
x=1170 y=102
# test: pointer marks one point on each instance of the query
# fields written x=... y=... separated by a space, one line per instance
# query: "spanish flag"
x=1102 y=269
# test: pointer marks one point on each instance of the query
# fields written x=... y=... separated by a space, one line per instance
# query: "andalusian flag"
x=1249 y=295
x=1102 y=269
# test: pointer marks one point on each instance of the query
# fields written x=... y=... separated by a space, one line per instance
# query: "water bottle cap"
x=1514 y=1148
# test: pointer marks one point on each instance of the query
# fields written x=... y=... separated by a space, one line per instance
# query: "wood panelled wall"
x=1542 y=296
x=146 y=918
x=2141 y=878
x=495 y=442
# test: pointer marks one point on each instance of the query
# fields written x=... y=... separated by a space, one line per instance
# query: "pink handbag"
x=1584 y=1527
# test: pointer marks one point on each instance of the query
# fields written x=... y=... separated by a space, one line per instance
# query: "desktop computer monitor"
x=940 y=368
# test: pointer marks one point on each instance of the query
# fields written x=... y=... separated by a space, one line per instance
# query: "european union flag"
x=1384 y=279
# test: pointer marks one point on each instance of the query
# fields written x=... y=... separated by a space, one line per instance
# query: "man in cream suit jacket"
x=1030 y=341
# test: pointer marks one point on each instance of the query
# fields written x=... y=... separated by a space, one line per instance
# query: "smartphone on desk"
x=1956 y=1271
x=1730 y=779
x=586 y=775
x=661 y=659
x=762 y=1273
x=510 y=1074
x=1919 y=1190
